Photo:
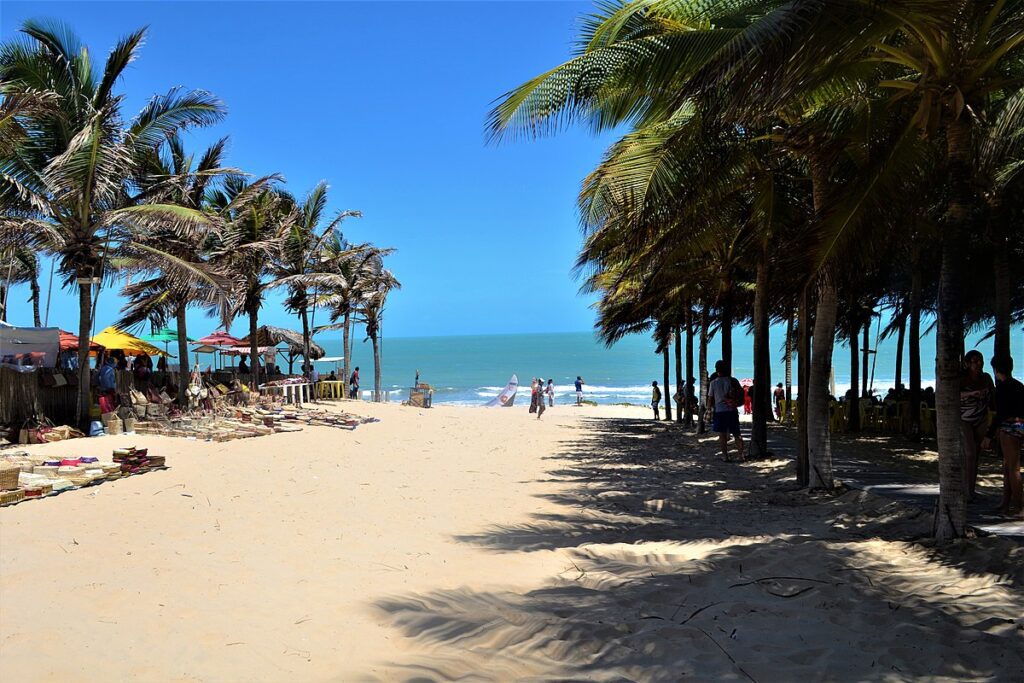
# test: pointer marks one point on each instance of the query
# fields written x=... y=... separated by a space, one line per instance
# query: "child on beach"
x=579 y=390
x=550 y=392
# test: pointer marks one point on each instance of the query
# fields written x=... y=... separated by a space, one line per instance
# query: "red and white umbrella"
x=218 y=338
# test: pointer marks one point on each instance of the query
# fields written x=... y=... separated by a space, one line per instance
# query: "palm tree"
x=377 y=285
x=76 y=166
x=20 y=266
x=353 y=265
x=255 y=218
x=305 y=259
x=171 y=285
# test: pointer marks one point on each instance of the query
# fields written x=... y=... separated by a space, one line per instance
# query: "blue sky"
x=387 y=102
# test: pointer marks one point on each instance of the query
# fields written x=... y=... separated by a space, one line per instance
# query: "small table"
x=292 y=393
x=331 y=388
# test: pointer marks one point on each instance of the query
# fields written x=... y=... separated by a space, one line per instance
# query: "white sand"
x=478 y=543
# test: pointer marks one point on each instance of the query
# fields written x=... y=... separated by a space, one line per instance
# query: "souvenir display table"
x=291 y=392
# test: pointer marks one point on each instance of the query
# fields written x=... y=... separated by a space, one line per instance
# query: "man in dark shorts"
x=724 y=396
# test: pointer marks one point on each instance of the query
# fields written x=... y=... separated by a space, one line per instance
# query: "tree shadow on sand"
x=680 y=566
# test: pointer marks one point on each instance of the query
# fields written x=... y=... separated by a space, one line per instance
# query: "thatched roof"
x=268 y=335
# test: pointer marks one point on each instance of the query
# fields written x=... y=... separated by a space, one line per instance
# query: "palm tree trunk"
x=679 y=374
x=254 y=359
x=803 y=380
x=34 y=284
x=762 y=360
x=346 y=339
x=376 y=367
x=1003 y=286
x=866 y=353
x=789 y=370
x=914 y=353
x=183 y=368
x=853 y=404
x=84 y=330
x=727 y=317
x=901 y=338
x=819 y=442
x=702 y=360
x=951 y=513
x=304 y=314
x=688 y=410
x=667 y=394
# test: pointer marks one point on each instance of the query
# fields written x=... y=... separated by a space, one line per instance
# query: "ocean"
x=470 y=370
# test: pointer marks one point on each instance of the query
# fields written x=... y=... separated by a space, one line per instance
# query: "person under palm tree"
x=724 y=396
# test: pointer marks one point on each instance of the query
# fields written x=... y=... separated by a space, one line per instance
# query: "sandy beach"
x=460 y=543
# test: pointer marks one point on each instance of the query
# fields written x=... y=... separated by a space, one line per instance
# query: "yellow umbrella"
x=113 y=338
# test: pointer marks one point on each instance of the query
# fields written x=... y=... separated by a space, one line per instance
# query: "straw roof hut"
x=268 y=335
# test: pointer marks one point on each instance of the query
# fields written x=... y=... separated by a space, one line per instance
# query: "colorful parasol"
x=69 y=342
x=115 y=339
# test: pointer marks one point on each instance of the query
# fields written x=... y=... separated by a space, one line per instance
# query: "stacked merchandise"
x=24 y=476
x=136 y=460
x=9 y=491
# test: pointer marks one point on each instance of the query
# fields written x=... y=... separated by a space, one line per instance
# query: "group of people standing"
x=978 y=396
x=540 y=394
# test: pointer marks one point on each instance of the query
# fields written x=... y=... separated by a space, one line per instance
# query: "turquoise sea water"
x=469 y=370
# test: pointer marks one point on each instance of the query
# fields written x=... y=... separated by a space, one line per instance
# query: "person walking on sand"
x=549 y=391
x=724 y=397
x=353 y=384
x=540 y=397
x=533 y=395
x=780 y=396
x=655 y=399
x=1008 y=427
x=579 y=390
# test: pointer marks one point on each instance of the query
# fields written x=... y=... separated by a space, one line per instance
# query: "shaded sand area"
x=481 y=544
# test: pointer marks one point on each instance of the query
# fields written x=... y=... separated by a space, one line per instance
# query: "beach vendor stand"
x=27 y=358
x=421 y=395
x=292 y=391
x=268 y=335
x=332 y=388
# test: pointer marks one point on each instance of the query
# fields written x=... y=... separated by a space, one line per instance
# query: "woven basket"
x=34 y=491
x=9 y=477
x=46 y=470
x=156 y=410
x=11 y=497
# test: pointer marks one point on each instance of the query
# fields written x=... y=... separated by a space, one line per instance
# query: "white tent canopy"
x=26 y=348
